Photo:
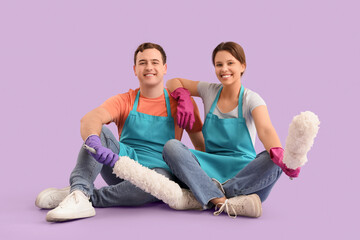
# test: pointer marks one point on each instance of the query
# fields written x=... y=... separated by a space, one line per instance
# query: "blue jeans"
x=119 y=192
x=259 y=176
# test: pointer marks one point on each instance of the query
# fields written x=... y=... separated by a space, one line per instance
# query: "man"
x=145 y=122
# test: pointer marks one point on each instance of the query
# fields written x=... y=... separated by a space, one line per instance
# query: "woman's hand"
x=185 y=108
x=277 y=156
x=181 y=89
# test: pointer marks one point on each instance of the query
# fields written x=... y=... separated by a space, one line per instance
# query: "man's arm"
x=196 y=135
x=92 y=122
x=197 y=140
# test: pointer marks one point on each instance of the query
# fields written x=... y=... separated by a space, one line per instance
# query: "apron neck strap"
x=215 y=101
x=240 y=115
x=167 y=100
x=136 y=101
x=240 y=110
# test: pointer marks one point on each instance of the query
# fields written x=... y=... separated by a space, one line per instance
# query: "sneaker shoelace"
x=71 y=197
x=226 y=205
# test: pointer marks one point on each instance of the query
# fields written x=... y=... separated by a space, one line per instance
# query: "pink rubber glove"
x=277 y=155
x=185 y=108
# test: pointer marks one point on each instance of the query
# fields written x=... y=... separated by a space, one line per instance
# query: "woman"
x=229 y=174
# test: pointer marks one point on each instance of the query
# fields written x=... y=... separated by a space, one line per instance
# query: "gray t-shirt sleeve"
x=251 y=100
x=207 y=92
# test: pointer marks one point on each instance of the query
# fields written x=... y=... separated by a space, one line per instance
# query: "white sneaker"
x=76 y=205
x=51 y=197
x=186 y=202
x=244 y=205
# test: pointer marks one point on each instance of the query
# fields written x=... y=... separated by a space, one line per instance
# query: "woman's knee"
x=266 y=162
x=177 y=155
x=263 y=163
x=173 y=151
x=263 y=154
x=172 y=146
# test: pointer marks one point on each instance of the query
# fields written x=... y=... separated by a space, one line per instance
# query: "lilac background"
x=60 y=59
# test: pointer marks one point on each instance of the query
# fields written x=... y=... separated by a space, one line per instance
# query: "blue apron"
x=228 y=144
x=144 y=136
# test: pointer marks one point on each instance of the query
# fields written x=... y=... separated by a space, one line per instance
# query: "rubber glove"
x=185 y=108
x=277 y=155
x=103 y=155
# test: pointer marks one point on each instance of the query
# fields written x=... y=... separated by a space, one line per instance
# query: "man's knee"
x=105 y=132
x=108 y=140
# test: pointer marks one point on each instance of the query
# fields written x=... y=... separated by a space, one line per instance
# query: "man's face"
x=149 y=67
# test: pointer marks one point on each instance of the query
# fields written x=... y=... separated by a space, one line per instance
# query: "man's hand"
x=103 y=155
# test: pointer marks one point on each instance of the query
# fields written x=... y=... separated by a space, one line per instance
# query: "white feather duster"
x=302 y=132
x=156 y=184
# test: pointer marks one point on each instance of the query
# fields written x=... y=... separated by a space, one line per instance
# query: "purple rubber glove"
x=185 y=108
x=277 y=155
x=103 y=155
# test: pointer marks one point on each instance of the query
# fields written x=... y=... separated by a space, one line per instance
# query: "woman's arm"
x=190 y=85
x=264 y=128
x=270 y=139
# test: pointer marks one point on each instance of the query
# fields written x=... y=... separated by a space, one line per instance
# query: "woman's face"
x=227 y=68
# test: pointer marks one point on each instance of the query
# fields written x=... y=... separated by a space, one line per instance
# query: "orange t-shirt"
x=119 y=107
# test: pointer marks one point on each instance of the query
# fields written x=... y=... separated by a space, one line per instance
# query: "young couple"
x=223 y=172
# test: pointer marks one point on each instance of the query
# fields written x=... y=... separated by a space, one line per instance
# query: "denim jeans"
x=259 y=176
x=119 y=192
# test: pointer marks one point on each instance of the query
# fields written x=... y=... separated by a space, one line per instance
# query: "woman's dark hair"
x=234 y=49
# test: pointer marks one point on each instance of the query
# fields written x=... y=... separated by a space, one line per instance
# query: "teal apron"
x=144 y=136
x=228 y=144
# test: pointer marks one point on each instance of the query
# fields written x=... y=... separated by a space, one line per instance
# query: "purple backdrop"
x=60 y=59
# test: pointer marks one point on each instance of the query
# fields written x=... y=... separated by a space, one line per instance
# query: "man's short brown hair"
x=149 y=45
